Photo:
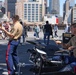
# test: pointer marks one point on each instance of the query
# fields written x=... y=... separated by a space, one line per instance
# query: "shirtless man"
x=14 y=40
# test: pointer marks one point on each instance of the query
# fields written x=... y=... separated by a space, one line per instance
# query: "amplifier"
x=66 y=37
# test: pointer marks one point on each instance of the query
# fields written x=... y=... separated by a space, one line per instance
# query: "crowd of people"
x=52 y=29
x=17 y=33
x=7 y=27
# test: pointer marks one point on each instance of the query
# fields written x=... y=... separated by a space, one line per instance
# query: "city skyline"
x=54 y=7
x=61 y=6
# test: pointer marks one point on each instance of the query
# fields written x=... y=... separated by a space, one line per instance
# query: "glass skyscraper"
x=54 y=7
x=10 y=7
x=72 y=3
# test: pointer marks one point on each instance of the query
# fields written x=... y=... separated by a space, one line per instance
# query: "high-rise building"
x=54 y=7
x=68 y=5
x=73 y=14
x=49 y=6
x=72 y=3
x=10 y=7
x=66 y=11
x=45 y=4
x=31 y=11
x=0 y=4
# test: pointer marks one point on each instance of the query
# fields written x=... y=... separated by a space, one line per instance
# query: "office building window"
x=32 y=17
x=25 y=17
x=33 y=11
x=40 y=5
x=25 y=11
x=33 y=14
x=29 y=18
x=36 y=14
x=25 y=5
x=29 y=11
x=36 y=18
x=29 y=5
x=36 y=11
x=33 y=5
x=36 y=5
x=29 y=14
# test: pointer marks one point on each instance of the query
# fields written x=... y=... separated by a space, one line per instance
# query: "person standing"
x=47 y=29
x=22 y=39
x=1 y=33
x=67 y=29
x=25 y=30
x=37 y=30
x=55 y=30
x=14 y=40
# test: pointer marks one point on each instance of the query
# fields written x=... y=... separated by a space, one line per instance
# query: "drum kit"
x=42 y=64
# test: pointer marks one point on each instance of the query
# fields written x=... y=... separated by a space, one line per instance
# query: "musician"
x=71 y=45
x=11 y=52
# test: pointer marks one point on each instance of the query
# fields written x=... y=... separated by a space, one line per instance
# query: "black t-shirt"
x=47 y=29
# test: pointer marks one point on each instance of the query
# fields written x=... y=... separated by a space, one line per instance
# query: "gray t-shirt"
x=72 y=42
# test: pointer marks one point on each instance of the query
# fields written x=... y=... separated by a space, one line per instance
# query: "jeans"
x=12 y=59
x=22 y=39
x=46 y=38
x=71 y=59
x=66 y=59
x=56 y=34
x=37 y=34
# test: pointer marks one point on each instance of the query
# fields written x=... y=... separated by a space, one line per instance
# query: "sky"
x=1 y=0
x=61 y=6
